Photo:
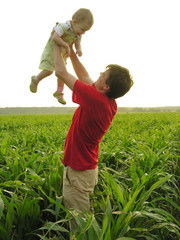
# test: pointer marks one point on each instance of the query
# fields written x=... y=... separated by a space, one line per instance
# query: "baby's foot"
x=60 y=97
x=33 y=85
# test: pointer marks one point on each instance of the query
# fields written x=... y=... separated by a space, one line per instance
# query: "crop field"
x=137 y=195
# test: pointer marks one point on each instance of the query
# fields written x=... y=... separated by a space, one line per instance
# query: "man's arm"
x=60 y=69
x=59 y=41
x=79 y=69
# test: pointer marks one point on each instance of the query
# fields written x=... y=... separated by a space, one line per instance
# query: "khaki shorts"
x=77 y=188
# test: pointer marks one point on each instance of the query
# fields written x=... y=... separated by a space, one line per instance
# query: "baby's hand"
x=79 y=52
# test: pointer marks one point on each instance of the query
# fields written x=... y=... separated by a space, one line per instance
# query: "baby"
x=63 y=34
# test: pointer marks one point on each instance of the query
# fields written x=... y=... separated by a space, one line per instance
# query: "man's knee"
x=74 y=199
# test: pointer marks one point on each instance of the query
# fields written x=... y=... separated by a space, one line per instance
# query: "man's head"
x=82 y=21
x=114 y=82
x=119 y=81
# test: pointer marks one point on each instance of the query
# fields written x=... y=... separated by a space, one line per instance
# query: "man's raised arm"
x=60 y=69
x=79 y=69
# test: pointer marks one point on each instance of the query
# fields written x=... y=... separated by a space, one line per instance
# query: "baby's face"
x=79 y=28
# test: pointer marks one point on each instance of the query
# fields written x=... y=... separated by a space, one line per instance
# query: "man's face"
x=100 y=84
x=104 y=76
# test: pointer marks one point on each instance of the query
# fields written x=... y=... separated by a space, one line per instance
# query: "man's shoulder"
x=82 y=85
x=85 y=84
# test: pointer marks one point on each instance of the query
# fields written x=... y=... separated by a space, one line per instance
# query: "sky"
x=141 y=35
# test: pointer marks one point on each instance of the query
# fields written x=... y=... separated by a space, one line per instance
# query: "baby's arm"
x=59 y=41
x=78 y=47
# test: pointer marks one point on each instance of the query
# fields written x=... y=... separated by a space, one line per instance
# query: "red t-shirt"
x=90 y=122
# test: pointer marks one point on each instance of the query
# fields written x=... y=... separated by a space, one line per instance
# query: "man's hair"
x=119 y=81
x=84 y=14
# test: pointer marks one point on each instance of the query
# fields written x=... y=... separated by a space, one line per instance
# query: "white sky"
x=142 y=35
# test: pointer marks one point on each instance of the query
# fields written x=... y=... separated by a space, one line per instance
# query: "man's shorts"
x=77 y=188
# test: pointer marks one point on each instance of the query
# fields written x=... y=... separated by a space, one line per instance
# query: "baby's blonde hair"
x=84 y=14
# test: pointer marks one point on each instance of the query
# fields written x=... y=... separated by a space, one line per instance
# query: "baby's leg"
x=36 y=79
x=60 y=86
x=43 y=74
x=59 y=93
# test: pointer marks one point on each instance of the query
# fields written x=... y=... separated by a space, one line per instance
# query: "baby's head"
x=82 y=21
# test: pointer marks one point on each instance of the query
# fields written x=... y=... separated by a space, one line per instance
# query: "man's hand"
x=59 y=41
x=79 y=69
x=60 y=68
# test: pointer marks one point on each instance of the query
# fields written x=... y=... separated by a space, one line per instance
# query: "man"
x=91 y=120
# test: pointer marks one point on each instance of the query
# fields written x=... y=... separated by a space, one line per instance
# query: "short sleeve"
x=58 y=29
x=61 y=28
x=86 y=95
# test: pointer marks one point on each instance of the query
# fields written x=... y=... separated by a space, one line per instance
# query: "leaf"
x=107 y=219
x=88 y=220
x=116 y=189
x=42 y=237
x=80 y=220
x=129 y=205
x=15 y=183
x=91 y=233
x=153 y=216
x=1 y=206
x=3 y=232
x=126 y=226
x=10 y=215
x=107 y=235
x=53 y=226
x=54 y=202
x=166 y=214
x=134 y=175
x=125 y=238
x=147 y=194
x=144 y=178
x=121 y=221
x=139 y=229
x=96 y=228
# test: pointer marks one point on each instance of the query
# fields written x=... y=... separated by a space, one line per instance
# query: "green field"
x=137 y=196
